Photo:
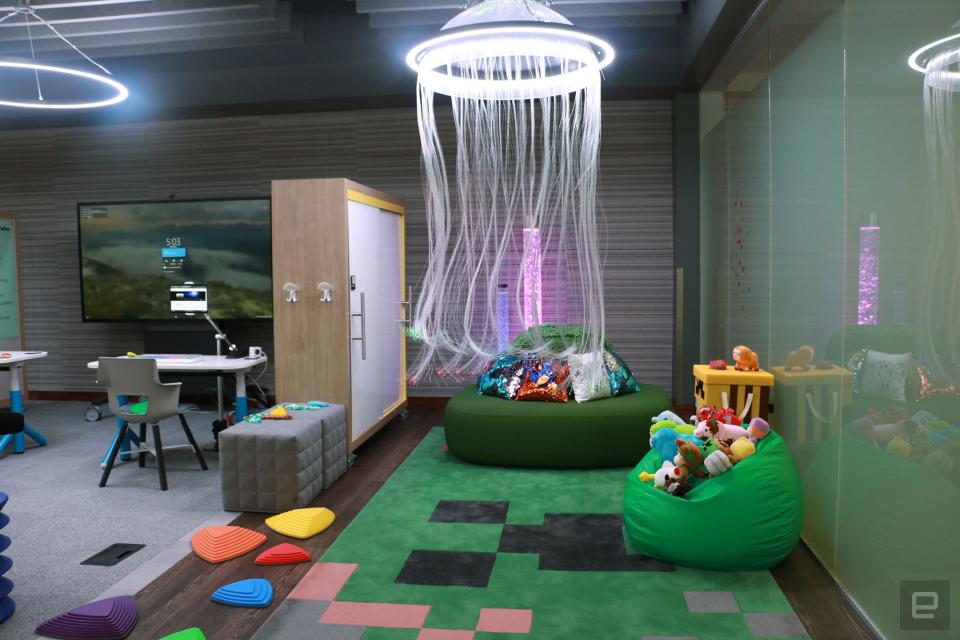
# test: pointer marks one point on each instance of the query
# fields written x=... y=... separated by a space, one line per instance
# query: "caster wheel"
x=92 y=414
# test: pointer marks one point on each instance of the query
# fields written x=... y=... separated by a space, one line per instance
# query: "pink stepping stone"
x=376 y=614
x=324 y=581
x=505 y=620
x=445 y=634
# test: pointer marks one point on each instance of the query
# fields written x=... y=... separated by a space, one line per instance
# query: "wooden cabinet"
x=349 y=350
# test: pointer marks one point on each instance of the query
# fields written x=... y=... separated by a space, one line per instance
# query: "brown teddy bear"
x=745 y=359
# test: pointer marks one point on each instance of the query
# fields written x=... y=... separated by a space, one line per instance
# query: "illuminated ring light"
x=920 y=61
x=121 y=91
x=507 y=41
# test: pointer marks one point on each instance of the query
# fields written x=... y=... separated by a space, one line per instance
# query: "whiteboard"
x=11 y=321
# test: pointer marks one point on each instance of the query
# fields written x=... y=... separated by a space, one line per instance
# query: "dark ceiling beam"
x=375 y=6
x=109 y=35
x=15 y=28
x=616 y=13
x=710 y=28
x=81 y=13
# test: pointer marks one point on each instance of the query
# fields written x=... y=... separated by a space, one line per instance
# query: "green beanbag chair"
x=748 y=518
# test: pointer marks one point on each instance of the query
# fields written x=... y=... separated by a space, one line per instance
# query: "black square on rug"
x=447 y=568
x=471 y=512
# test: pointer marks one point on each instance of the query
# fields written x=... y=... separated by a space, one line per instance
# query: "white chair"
x=139 y=378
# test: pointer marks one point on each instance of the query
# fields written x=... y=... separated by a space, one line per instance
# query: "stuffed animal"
x=719 y=365
x=939 y=462
x=745 y=359
x=667 y=415
x=717 y=457
x=663 y=441
x=669 y=478
x=800 y=359
x=726 y=433
x=725 y=414
x=742 y=449
x=682 y=427
x=690 y=458
x=899 y=446
x=758 y=430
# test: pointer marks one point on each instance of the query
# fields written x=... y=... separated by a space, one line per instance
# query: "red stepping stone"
x=284 y=553
x=219 y=544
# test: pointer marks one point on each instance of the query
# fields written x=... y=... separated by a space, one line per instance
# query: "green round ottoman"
x=613 y=432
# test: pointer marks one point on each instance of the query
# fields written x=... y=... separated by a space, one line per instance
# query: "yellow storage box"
x=809 y=404
x=747 y=392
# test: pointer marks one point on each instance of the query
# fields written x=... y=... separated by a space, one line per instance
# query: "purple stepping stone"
x=110 y=619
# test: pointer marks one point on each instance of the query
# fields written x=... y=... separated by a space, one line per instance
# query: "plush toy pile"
x=711 y=447
x=922 y=438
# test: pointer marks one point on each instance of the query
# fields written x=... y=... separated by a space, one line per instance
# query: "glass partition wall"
x=830 y=218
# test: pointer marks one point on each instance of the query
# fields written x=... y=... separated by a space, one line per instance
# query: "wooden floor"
x=180 y=598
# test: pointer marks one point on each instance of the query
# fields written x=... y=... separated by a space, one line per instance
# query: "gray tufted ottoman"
x=278 y=465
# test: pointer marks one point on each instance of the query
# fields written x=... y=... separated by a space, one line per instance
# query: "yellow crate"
x=746 y=392
x=808 y=405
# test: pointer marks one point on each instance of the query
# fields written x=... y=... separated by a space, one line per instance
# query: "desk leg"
x=241 y=396
x=16 y=405
x=129 y=442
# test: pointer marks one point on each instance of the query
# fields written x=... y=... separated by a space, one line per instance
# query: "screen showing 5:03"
x=174 y=259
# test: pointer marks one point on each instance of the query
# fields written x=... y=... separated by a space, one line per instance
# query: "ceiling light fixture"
x=119 y=91
x=512 y=38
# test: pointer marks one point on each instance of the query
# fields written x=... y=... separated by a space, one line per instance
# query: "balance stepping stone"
x=4 y=543
x=255 y=592
x=187 y=634
x=302 y=523
x=3 y=500
x=284 y=553
x=7 y=608
x=222 y=543
x=110 y=619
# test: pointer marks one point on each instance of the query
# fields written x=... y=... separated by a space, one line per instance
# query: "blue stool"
x=6 y=585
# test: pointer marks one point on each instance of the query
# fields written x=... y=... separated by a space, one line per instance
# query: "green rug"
x=452 y=551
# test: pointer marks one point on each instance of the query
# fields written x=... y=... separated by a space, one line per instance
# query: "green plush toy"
x=685 y=429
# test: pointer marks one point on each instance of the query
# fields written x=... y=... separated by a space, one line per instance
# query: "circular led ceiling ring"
x=120 y=94
x=920 y=58
x=463 y=36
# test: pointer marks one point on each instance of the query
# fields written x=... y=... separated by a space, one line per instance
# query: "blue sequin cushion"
x=502 y=378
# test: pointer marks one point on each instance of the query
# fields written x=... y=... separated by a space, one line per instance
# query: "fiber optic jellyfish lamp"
x=44 y=77
x=939 y=61
x=516 y=34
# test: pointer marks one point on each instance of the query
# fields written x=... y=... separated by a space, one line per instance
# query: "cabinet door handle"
x=363 y=325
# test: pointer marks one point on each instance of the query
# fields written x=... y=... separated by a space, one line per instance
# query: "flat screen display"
x=136 y=257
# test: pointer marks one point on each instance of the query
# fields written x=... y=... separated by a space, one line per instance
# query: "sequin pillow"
x=502 y=378
x=880 y=375
x=544 y=379
x=622 y=381
x=936 y=380
x=585 y=387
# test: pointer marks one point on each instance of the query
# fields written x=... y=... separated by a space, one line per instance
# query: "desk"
x=217 y=365
x=13 y=364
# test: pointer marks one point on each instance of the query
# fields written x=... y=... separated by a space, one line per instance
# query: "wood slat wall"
x=44 y=173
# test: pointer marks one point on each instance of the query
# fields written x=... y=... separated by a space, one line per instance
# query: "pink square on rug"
x=323 y=582
x=505 y=620
x=445 y=634
x=376 y=614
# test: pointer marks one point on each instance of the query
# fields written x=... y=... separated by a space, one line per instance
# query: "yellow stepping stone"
x=301 y=523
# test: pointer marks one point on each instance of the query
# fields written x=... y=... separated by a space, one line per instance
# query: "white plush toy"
x=668 y=415
x=717 y=463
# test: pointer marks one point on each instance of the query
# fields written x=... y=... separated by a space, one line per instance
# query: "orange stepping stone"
x=284 y=553
x=219 y=544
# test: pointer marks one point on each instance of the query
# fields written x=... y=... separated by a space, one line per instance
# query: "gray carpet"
x=59 y=516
